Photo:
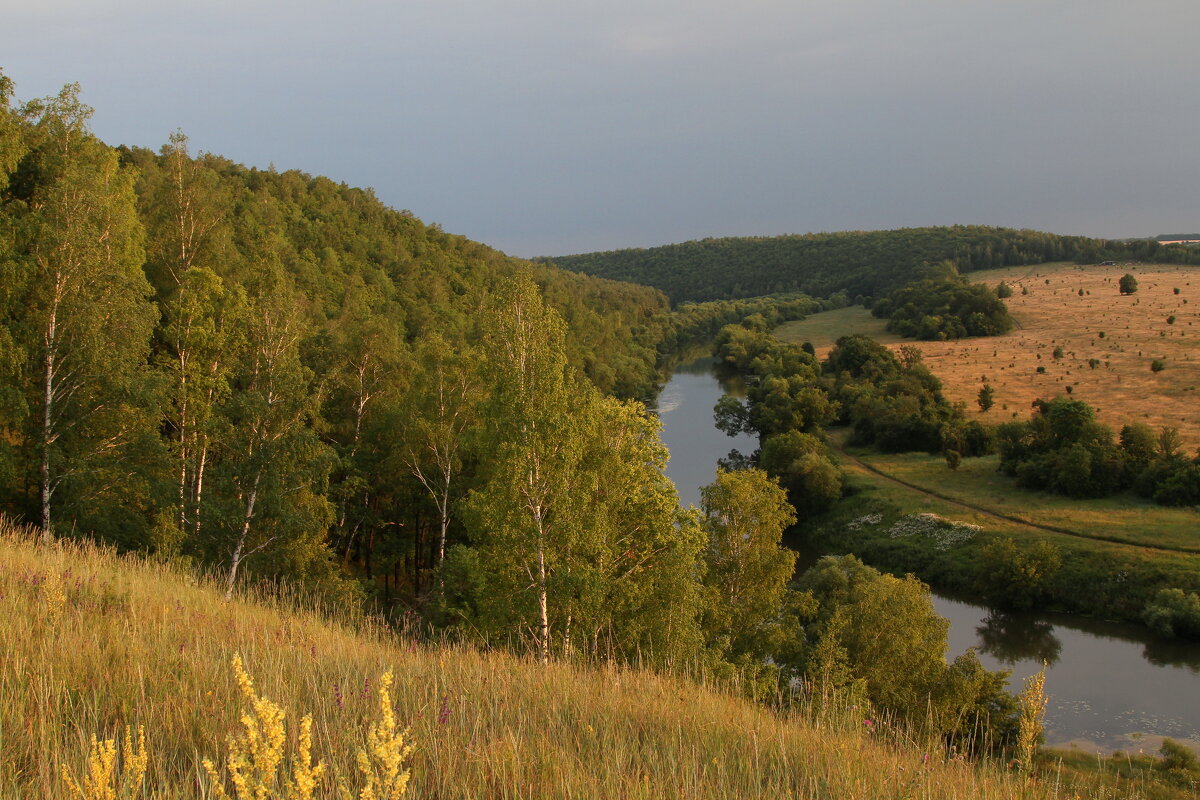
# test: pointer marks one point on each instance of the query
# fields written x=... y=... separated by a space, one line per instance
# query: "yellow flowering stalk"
x=1032 y=720
x=102 y=780
x=382 y=763
x=256 y=754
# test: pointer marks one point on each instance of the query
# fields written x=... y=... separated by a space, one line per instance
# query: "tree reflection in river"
x=1172 y=653
x=1010 y=638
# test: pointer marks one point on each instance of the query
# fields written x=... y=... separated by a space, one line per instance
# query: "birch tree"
x=524 y=518
x=87 y=318
x=274 y=470
x=442 y=410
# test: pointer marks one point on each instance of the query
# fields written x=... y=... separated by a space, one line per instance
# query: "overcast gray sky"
x=548 y=127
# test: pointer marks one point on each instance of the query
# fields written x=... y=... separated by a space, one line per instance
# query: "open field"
x=823 y=329
x=1123 y=333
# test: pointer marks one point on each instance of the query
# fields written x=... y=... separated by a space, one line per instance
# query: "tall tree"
x=524 y=514
x=274 y=469
x=745 y=514
x=185 y=207
x=443 y=408
x=202 y=321
x=86 y=312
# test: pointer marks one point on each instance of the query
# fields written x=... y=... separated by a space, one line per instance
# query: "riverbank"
x=1099 y=575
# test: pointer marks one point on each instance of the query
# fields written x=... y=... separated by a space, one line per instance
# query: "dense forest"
x=858 y=264
x=255 y=369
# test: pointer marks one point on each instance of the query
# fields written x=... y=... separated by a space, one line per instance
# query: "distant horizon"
x=539 y=127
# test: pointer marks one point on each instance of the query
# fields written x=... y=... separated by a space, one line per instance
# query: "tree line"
x=857 y=264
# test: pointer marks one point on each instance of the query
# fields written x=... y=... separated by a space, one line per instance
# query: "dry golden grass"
x=1122 y=388
x=92 y=644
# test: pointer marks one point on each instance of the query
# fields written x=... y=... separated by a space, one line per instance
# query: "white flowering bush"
x=945 y=533
x=869 y=519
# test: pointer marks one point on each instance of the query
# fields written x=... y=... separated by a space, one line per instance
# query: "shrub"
x=987 y=397
x=1173 y=612
x=1176 y=756
x=1157 y=365
x=1128 y=284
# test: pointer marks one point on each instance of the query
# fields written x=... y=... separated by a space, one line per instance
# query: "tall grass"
x=93 y=644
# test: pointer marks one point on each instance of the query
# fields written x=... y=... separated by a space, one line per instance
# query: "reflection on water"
x=1108 y=682
x=1010 y=638
x=1104 y=687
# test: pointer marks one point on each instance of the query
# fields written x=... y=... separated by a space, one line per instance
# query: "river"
x=1111 y=686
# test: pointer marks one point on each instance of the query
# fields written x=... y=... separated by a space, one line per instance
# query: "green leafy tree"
x=274 y=469
x=526 y=518
x=1127 y=284
x=801 y=464
x=748 y=568
x=202 y=324
x=576 y=541
x=367 y=366
x=1017 y=577
x=879 y=635
x=445 y=393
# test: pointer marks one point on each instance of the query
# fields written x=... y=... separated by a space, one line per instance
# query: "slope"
x=95 y=642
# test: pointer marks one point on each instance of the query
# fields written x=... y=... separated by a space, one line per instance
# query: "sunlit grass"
x=135 y=645
x=823 y=329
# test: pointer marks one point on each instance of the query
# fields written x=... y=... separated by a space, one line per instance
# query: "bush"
x=1128 y=284
x=1177 y=757
x=1016 y=577
x=1157 y=365
x=1173 y=612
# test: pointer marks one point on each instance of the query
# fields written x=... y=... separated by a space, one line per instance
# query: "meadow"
x=96 y=644
x=977 y=482
x=1108 y=342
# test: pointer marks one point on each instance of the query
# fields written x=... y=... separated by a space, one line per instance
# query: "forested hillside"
x=858 y=263
x=263 y=370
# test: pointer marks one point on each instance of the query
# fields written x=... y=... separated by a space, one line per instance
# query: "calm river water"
x=1112 y=686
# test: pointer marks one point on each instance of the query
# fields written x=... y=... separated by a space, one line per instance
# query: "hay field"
x=1122 y=387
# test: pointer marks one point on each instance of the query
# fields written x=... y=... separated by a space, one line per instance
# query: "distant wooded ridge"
x=857 y=263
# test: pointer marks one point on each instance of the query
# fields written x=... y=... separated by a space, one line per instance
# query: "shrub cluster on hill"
x=945 y=307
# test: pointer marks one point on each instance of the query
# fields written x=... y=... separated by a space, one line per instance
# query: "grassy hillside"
x=93 y=643
x=1123 y=334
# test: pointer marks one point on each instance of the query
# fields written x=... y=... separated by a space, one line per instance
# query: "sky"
x=549 y=127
